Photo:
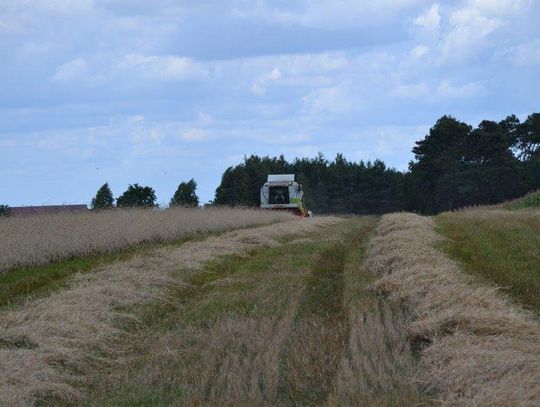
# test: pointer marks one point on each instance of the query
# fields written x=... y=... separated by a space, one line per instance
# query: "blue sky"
x=157 y=92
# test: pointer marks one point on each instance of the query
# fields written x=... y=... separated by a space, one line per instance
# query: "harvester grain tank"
x=282 y=192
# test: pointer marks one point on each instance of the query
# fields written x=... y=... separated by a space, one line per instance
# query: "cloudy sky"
x=160 y=91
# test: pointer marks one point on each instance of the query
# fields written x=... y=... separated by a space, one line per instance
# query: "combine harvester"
x=282 y=192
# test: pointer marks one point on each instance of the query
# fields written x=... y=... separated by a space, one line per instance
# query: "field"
x=500 y=247
x=215 y=308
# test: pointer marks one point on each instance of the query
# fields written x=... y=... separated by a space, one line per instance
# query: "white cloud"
x=194 y=134
x=413 y=91
x=430 y=19
x=133 y=67
x=469 y=32
x=525 y=54
x=34 y=49
x=261 y=83
x=472 y=26
x=333 y=100
x=168 y=67
x=419 y=51
x=73 y=70
x=63 y=6
x=500 y=7
x=430 y=93
x=275 y=75
x=446 y=88
x=326 y=13
x=204 y=119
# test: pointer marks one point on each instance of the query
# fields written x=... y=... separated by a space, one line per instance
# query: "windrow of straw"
x=39 y=239
x=475 y=346
x=47 y=345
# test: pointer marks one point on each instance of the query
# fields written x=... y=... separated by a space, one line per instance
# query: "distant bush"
x=5 y=210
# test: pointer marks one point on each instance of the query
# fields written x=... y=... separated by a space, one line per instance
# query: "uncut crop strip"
x=476 y=348
x=378 y=368
x=48 y=345
x=36 y=240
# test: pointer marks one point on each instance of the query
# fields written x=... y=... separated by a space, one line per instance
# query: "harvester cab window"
x=278 y=195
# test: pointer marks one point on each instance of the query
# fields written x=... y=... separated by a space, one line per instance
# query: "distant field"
x=502 y=247
x=36 y=240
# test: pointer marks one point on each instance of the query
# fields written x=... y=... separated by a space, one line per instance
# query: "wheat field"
x=39 y=239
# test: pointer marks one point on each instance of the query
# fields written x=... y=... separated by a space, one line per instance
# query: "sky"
x=158 y=92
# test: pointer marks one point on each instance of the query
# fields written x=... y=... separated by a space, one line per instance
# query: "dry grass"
x=292 y=325
x=377 y=367
x=48 y=345
x=43 y=238
x=476 y=348
x=227 y=344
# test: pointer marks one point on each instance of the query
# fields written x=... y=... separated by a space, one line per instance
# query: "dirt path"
x=47 y=345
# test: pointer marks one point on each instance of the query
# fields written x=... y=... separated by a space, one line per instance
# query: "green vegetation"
x=137 y=196
x=185 y=195
x=501 y=247
x=104 y=198
x=531 y=200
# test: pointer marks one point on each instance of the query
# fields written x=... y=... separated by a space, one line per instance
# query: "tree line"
x=455 y=165
x=145 y=197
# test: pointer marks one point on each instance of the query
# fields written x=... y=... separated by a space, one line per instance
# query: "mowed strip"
x=475 y=346
x=48 y=345
x=295 y=324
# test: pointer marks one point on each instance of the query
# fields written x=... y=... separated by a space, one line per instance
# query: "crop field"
x=239 y=307
x=39 y=239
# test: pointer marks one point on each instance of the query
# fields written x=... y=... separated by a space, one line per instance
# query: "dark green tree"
x=329 y=187
x=528 y=146
x=137 y=196
x=103 y=199
x=529 y=137
x=438 y=166
x=491 y=171
x=5 y=210
x=185 y=195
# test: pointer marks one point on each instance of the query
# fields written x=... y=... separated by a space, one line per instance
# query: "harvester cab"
x=282 y=192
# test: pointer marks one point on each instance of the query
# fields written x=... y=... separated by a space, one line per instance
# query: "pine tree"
x=103 y=199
